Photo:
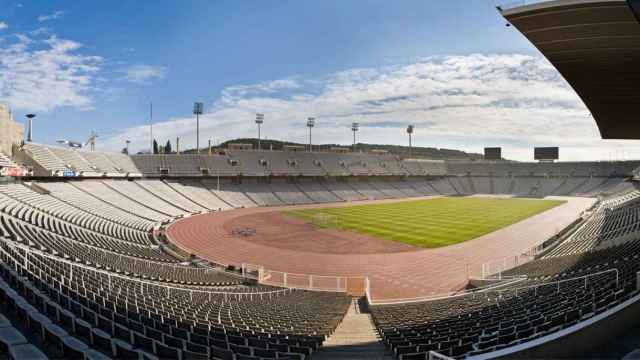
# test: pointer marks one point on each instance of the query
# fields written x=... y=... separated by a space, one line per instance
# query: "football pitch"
x=428 y=223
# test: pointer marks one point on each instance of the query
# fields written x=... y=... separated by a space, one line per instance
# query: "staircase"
x=355 y=338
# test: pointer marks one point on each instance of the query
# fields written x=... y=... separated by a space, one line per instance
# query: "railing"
x=495 y=288
x=557 y=284
x=304 y=281
x=494 y=269
x=143 y=283
x=443 y=295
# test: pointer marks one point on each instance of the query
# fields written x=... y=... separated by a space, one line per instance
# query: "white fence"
x=303 y=281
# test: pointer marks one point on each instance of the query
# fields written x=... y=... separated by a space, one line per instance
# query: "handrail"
x=492 y=288
x=585 y=277
x=441 y=296
x=111 y=275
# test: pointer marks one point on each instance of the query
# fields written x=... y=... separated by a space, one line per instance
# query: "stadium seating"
x=76 y=315
x=289 y=193
x=493 y=320
x=261 y=193
x=229 y=192
x=132 y=190
x=365 y=188
x=5 y=161
x=57 y=161
x=194 y=190
x=317 y=192
x=165 y=192
x=86 y=270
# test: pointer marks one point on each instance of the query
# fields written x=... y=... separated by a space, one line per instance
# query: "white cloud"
x=3 y=25
x=460 y=102
x=53 y=16
x=144 y=74
x=41 y=75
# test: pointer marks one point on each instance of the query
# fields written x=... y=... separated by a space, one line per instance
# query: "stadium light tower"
x=259 y=121
x=354 y=127
x=410 y=132
x=198 y=109
x=30 y=121
x=311 y=122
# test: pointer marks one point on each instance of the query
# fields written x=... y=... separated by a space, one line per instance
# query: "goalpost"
x=325 y=220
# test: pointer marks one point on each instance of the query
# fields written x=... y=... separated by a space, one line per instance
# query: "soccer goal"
x=325 y=220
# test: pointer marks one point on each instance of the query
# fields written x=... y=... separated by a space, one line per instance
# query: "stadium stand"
x=44 y=157
x=132 y=190
x=105 y=193
x=52 y=160
x=101 y=163
x=5 y=161
x=288 y=192
x=220 y=165
x=195 y=190
x=365 y=188
x=422 y=186
x=343 y=190
x=165 y=192
x=491 y=321
x=110 y=230
x=123 y=163
x=307 y=163
x=387 y=188
x=75 y=197
x=229 y=193
x=317 y=192
x=406 y=189
x=260 y=193
x=72 y=318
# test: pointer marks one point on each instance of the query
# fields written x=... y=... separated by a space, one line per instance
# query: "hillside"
x=417 y=152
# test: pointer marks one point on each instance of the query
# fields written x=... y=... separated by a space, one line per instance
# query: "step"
x=355 y=338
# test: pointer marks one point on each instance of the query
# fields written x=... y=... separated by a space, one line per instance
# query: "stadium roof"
x=595 y=45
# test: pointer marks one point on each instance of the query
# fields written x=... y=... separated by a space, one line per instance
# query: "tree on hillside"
x=155 y=146
x=167 y=148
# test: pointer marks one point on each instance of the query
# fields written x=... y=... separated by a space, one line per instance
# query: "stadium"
x=244 y=253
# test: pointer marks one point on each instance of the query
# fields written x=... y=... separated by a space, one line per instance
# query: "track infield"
x=429 y=223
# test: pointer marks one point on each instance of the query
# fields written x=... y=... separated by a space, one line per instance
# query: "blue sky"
x=452 y=68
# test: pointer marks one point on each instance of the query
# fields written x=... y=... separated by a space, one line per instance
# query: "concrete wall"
x=10 y=131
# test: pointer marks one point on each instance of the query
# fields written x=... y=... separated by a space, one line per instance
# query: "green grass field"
x=428 y=223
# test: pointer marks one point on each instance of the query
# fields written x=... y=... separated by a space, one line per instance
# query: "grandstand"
x=92 y=218
x=183 y=256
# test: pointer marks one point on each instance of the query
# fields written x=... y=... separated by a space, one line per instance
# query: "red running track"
x=395 y=270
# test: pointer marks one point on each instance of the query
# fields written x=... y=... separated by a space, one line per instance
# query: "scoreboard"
x=546 y=153
x=493 y=153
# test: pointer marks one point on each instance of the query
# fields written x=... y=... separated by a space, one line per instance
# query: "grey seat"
x=26 y=351
x=9 y=337
x=95 y=355
x=36 y=323
x=73 y=348
x=4 y=322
